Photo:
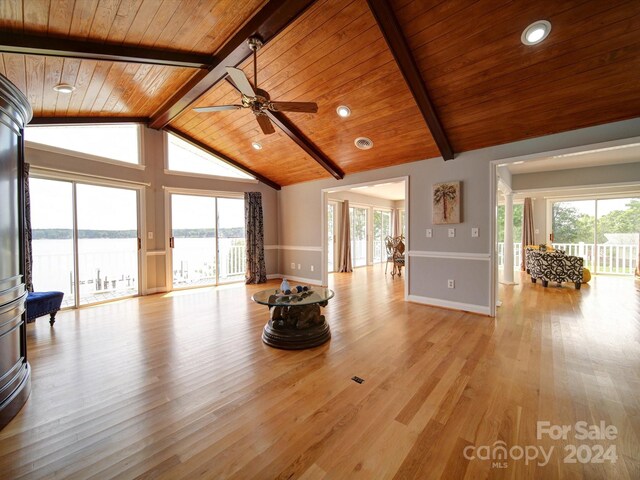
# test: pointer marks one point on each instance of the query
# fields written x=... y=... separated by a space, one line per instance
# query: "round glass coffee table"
x=295 y=321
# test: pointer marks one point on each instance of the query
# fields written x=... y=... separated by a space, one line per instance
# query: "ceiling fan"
x=257 y=99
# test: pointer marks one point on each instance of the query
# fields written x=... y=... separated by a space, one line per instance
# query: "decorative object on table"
x=284 y=286
x=295 y=320
x=446 y=203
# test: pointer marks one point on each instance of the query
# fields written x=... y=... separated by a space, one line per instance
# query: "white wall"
x=154 y=175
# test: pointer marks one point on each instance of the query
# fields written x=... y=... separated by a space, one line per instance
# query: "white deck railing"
x=614 y=259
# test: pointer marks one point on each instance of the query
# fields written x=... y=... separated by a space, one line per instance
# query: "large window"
x=184 y=157
x=113 y=142
x=605 y=232
x=85 y=240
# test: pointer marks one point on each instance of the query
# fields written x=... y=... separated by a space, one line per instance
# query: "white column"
x=507 y=273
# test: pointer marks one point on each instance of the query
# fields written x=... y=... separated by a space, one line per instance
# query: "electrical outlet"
x=298 y=266
x=474 y=232
x=452 y=232
x=429 y=233
x=293 y=265
x=312 y=268
x=150 y=235
x=451 y=284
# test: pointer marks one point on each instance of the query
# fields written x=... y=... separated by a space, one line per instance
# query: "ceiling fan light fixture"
x=536 y=32
x=343 y=111
x=363 y=143
x=256 y=145
x=64 y=88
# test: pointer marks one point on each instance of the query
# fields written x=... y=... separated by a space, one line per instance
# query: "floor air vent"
x=357 y=379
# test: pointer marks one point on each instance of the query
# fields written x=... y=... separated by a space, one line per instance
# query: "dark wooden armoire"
x=15 y=380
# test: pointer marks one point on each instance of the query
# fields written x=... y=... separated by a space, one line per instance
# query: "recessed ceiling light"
x=64 y=88
x=536 y=32
x=343 y=111
x=256 y=145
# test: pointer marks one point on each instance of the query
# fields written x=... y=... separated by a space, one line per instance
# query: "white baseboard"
x=310 y=281
x=438 y=302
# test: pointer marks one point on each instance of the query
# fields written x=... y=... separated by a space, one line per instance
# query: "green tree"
x=620 y=221
x=518 y=212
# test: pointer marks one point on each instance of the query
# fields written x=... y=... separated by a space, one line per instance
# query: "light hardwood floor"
x=181 y=386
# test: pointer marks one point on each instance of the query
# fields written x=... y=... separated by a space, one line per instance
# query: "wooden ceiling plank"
x=16 y=70
x=104 y=18
x=179 y=21
x=12 y=14
x=127 y=11
x=34 y=67
x=61 y=47
x=52 y=75
x=60 y=17
x=98 y=77
x=397 y=44
x=618 y=30
x=110 y=82
x=36 y=15
x=141 y=21
x=170 y=81
x=221 y=156
x=159 y=22
x=119 y=88
x=70 y=69
x=82 y=18
x=267 y=23
x=83 y=80
x=303 y=142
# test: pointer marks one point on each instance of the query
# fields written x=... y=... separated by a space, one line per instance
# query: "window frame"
x=168 y=171
x=88 y=156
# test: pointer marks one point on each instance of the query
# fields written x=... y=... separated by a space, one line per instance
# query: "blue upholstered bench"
x=43 y=303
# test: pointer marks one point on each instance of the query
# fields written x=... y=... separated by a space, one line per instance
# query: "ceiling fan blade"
x=265 y=124
x=217 y=108
x=307 y=107
x=241 y=81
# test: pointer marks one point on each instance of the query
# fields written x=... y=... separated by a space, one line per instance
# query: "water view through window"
x=107 y=240
x=208 y=240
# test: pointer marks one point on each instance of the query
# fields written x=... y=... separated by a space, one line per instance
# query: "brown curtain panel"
x=527 y=230
x=256 y=271
x=344 y=245
x=28 y=252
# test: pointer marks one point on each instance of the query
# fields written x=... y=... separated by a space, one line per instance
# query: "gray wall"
x=154 y=175
x=432 y=260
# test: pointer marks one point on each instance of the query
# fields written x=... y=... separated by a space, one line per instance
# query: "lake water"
x=108 y=268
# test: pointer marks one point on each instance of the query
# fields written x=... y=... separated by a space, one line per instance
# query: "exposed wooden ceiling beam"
x=303 y=142
x=388 y=23
x=221 y=156
x=11 y=42
x=266 y=24
x=81 y=120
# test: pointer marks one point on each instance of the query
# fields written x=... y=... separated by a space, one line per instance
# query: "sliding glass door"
x=207 y=240
x=85 y=240
x=231 y=240
x=605 y=232
x=358 y=223
x=381 y=230
x=53 y=237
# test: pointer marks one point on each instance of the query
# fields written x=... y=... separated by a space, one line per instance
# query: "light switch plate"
x=150 y=235
x=298 y=266
x=474 y=232
x=293 y=265
x=537 y=231
x=429 y=233
x=452 y=232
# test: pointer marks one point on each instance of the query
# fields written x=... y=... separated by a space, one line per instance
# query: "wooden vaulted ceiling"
x=484 y=85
